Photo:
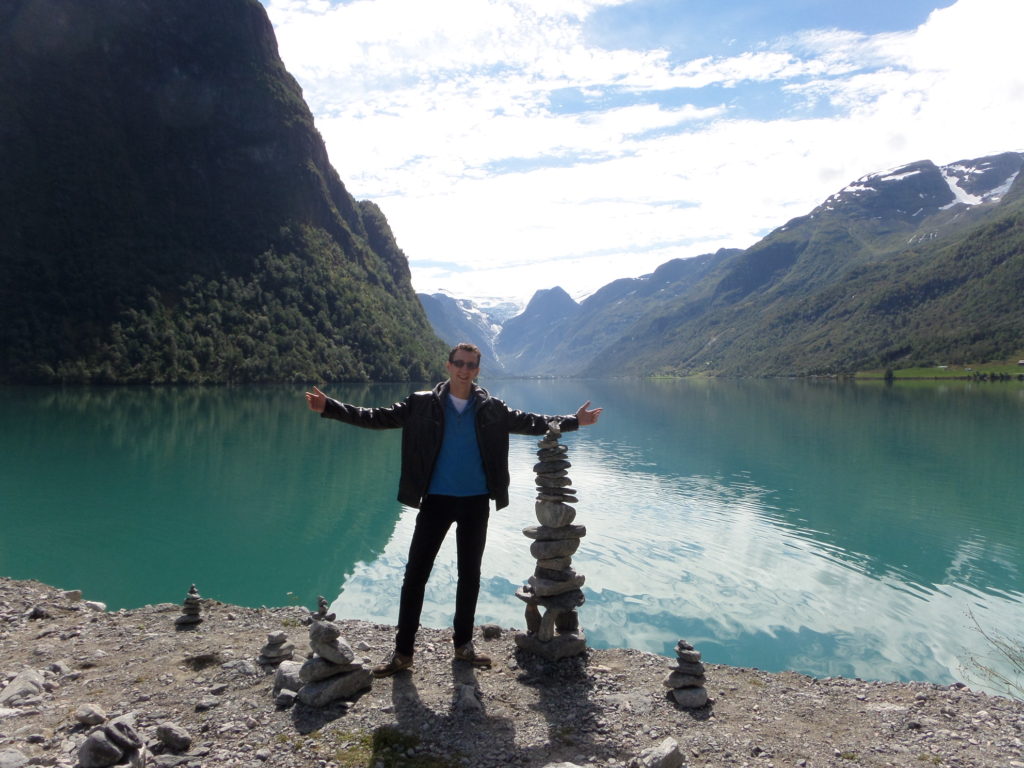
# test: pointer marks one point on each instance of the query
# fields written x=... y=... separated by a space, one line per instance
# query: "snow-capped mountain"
x=477 y=321
x=923 y=188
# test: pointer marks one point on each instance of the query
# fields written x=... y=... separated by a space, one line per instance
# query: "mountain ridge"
x=934 y=254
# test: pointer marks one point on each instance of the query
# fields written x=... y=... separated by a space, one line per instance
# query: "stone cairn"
x=190 y=610
x=555 y=585
x=332 y=672
x=115 y=743
x=276 y=650
x=686 y=680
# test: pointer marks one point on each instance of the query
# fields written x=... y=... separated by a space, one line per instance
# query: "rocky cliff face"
x=146 y=144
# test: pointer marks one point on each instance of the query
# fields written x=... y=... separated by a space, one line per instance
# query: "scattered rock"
x=174 y=737
x=25 y=686
x=90 y=714
x=602 y=707
x=664 y=755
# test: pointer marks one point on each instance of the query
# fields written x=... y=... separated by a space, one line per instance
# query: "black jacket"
x=421 y=418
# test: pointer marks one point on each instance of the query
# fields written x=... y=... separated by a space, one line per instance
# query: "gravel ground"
x=606 y=708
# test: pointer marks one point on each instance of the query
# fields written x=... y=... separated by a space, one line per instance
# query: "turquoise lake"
x=830 y=528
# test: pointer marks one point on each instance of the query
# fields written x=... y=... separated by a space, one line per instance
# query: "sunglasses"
x=464 y=364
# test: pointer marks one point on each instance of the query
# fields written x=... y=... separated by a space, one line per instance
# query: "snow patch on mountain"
x=960 y=195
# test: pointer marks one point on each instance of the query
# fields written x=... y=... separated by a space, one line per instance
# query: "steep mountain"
x=531 y=332
x=568 y=344
x=168 y=212
x=457 y=320
x=917 y=265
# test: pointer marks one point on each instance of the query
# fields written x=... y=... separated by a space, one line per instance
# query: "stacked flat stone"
x=322 y=611
x=191 y=610
x=555 y=586
x=277 y=649
x=115 y=743
x=686 y=680
x=332 y=672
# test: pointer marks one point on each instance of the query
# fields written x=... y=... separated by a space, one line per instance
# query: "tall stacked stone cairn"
x=555 y=585
x=332 y=672
x=686 y=680
x=191 y=610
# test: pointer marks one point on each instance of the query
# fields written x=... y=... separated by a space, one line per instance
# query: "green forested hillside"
x=168 y=212
x=835 y=293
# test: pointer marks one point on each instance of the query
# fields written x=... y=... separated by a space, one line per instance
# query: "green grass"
x=1008 y=367
x=384 y=746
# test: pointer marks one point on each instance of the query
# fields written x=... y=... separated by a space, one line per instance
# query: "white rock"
x=90 y=714
x=12 y=758
x=344 y=686
x=174 y=737
x=26 y=684
x=665 y=755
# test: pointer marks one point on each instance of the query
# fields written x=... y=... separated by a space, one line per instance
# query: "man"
x=454 y=459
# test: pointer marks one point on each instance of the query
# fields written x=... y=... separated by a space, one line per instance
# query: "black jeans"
x=436 y=515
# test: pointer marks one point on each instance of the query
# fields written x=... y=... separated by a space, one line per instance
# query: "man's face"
x=463 y=366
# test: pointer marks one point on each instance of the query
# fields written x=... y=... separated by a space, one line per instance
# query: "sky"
x=516 y=145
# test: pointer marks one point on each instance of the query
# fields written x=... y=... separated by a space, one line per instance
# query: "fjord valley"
x=169 y=215
x=916 y=266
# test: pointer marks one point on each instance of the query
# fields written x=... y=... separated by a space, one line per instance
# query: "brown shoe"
x=397 y=663
x=467 y=654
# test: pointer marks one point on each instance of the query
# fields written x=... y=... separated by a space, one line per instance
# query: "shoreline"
x=603 y=708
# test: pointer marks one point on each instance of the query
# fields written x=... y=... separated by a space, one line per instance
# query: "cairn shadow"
x=565 y=691
x=307 y=719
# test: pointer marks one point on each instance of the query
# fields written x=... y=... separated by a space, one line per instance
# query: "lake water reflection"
x=828 y=528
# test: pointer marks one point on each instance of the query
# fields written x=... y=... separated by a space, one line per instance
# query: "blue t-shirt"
x=459 y=470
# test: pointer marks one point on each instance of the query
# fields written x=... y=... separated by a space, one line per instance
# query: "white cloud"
x=436 y=111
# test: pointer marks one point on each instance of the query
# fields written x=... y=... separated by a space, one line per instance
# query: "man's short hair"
x=465 y=346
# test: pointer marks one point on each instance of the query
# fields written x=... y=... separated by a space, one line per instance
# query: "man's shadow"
x=464 y=725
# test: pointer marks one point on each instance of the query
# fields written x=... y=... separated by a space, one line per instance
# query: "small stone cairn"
x=332 y=672
x=115 y=743
x=276 y=650
x=191 y=610
x=555 y=585
x=686 y=680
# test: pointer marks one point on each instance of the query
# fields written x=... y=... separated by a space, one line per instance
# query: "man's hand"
x=317 y=400
x=586 y=418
